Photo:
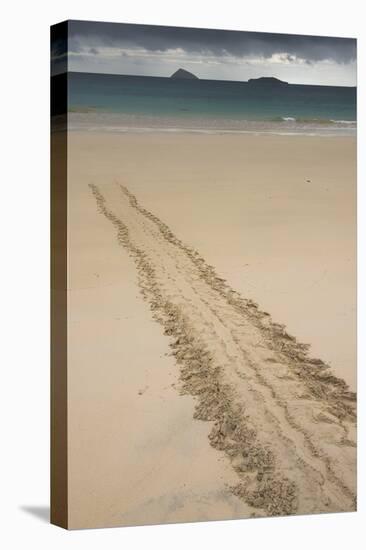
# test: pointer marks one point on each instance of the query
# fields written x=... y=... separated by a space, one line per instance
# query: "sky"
x=148 y=50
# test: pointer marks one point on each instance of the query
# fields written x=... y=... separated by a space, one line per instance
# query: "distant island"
x=267 y=81
x=183 y=74
x=270 y=81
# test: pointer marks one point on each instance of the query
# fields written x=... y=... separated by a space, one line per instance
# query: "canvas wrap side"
x=59 y=492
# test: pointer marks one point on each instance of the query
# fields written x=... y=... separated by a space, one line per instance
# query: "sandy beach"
x=187 y=256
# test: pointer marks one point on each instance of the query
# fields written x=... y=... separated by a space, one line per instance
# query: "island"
x=183 y=74
x=267 y=81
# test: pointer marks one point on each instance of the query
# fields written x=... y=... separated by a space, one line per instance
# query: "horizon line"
x=206 y=79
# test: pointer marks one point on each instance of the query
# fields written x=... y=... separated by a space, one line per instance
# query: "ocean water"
x=138 y=103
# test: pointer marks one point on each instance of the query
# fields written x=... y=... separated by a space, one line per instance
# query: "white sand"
x=244 y=203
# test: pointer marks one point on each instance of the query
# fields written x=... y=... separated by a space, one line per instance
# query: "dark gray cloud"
x=58 y=49
x=210 y=42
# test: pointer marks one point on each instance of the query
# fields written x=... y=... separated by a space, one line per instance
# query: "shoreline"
x=115 y=122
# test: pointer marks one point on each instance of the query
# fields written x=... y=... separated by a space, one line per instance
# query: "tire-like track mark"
x=287 y=424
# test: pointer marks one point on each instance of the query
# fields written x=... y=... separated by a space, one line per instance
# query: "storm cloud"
x=156 y=50
x=216 y=42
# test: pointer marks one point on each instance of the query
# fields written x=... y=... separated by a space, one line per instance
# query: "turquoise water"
x=151 y=102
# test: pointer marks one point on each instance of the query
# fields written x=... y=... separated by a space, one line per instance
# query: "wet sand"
x=141 y=456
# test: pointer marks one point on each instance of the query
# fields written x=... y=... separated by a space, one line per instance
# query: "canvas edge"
x=58 y=193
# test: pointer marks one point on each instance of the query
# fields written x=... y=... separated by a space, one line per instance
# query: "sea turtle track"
x=285 y=422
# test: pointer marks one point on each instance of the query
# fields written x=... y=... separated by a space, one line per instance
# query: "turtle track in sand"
x=285 y=422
